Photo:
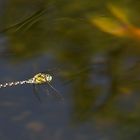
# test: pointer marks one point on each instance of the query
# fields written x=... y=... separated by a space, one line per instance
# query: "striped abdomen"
x=13 y=84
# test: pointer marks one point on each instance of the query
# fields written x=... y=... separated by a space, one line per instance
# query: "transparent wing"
x=35 y=91
x=56 y=93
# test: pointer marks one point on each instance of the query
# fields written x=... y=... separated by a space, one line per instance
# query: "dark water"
x=97 y=73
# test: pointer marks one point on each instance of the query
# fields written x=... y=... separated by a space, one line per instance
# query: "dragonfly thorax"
x=41 y=78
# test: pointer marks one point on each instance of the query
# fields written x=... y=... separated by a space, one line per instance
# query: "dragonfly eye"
x=48 y=78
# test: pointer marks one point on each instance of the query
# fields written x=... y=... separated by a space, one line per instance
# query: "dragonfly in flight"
x=38 y=79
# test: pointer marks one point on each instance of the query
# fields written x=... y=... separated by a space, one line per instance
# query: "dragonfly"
x=38 y=79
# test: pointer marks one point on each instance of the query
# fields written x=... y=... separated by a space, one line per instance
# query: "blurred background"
x=93 y=50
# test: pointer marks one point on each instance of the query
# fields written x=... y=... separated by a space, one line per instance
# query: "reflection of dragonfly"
x=38 y=79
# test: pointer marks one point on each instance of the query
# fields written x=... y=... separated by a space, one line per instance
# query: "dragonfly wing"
x=56 y=92
x=35 y=91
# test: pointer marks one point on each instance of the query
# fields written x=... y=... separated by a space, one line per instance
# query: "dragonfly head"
x=48 y=77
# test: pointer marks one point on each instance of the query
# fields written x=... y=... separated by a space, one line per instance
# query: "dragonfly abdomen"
x=10 y=84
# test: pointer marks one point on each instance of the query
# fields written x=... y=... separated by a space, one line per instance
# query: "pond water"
x=95 y=68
